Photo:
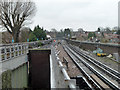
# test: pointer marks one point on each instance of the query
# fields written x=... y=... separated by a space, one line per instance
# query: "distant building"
x=112 y=37
x=73 y=37
x=52 y=34
x=48 y=37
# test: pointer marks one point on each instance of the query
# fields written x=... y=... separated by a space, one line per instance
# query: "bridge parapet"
x=9 y=51
x=107 y=48
x=12 y=51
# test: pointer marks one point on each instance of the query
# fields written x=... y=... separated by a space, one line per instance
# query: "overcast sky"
x=86 y=14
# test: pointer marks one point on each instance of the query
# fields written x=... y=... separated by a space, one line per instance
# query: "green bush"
x=32 y=37
x=39 y=44
x=39 y=33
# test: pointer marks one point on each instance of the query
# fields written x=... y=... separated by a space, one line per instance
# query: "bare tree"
x=107 y=30
x=24 y=34
x=13 y=16
x=6 y=37
x=80 y=30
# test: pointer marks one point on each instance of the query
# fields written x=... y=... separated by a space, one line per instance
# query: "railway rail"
x=110 y=76
x=116 y=73
x=110 y=72
x=93 y=84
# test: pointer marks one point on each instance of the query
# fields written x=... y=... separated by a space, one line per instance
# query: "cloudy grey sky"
x=86 y=14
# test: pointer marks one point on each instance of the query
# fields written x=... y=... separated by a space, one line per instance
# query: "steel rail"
x=87 y=76
x=107 y=72
x=111 y=84
x=107 y=69
x=101 y=64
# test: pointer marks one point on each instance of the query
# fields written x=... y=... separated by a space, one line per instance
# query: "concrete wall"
x=19 y=77
x=107 y=48
x=13 y=63
x=13 y=72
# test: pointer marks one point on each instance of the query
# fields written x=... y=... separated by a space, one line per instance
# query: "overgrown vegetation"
x=32 y=37
x=6 y=79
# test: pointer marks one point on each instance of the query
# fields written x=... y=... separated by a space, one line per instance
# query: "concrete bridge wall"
x=14 y=72
x=13 y=66
x=17 y=78
x=107 y=48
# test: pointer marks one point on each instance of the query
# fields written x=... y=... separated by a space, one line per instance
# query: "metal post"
x=5 y=54
x=10 y=52
x=65 y=61
x=21 y=49
x=14 y=51
x=0 y=54
x=18 y=50
x=24 y=49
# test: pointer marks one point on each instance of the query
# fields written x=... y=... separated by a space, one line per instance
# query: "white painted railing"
x=9 y=52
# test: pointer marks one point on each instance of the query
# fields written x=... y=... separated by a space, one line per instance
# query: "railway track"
x=109 y=76
x=109 y=71
x=116 y=73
